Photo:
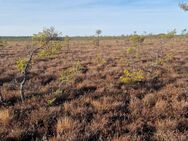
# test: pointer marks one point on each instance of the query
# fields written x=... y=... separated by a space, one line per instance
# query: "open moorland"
x=113 y=94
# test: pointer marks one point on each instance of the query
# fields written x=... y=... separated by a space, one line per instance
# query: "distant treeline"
x=15 y=37
x=23 y=38
x=61 y=38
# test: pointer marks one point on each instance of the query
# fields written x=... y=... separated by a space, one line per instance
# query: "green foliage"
x=68 y=74
x=123 y=61
x=100 y=60
x=169 y=35
x=3 y=44
x=41 y=38
x=55 y=47
x=67 y=41
x=137 y=39
x=43 y=53
x=51 y=101
x=167 y=57
x=44 y=37
x=131 y=50
x=21 y=64
x=131 y=77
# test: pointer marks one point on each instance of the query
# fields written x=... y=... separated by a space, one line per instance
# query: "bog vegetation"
x=55 y=87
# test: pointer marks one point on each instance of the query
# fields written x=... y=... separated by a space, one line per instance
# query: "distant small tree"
x=184 y=32
x=165 y=38
x=137 y=41
x=67 y=41
x=98 y=32
x=183 y=6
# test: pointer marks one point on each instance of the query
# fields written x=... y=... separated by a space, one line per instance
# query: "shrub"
x=41 y=39
x=68 y=74
x=67 y=41
x=48 y=34
x=55 y=47
x=165 y=38
x=100 y=60
x=167 y=57
x=137 y=39
x=3 y=44
x=43 y=53
x=21 y=64
x=130 y=50
x=130 y=77
x=169 y=35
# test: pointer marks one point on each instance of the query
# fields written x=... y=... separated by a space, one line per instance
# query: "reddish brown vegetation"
x=95 y=105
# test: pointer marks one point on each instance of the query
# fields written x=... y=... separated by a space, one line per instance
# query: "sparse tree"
x=183 y=6
x=137 y=41
x=98 y=32
x=165 y=38
x=51 y=33
x=43 y=42
x=184 y=31
x=67 y=42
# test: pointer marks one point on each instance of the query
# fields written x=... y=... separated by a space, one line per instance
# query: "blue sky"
x=83 y=17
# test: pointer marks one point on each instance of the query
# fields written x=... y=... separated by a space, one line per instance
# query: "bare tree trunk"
x=25 y=74
x=98 y=41
x=1 y=98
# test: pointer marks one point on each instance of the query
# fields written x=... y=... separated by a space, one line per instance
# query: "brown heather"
x=95 y=105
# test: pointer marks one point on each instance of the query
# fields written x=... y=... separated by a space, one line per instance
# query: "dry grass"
x=4 y=117
x=95 y=105
x=150 y=100
x=106 y=103
x=161 y=106
x=65 y=123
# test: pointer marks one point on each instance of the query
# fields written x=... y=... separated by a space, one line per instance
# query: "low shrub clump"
x=131 y=77
x=68 y=74
x=21 y=64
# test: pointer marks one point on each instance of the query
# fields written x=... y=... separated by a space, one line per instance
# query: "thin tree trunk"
x=1 y=98
x=25 y=74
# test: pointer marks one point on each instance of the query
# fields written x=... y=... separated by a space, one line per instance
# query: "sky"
x=83 y=17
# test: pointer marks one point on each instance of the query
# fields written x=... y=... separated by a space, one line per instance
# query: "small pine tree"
x=183 y=6
x=98 y=32
x=45 y=45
